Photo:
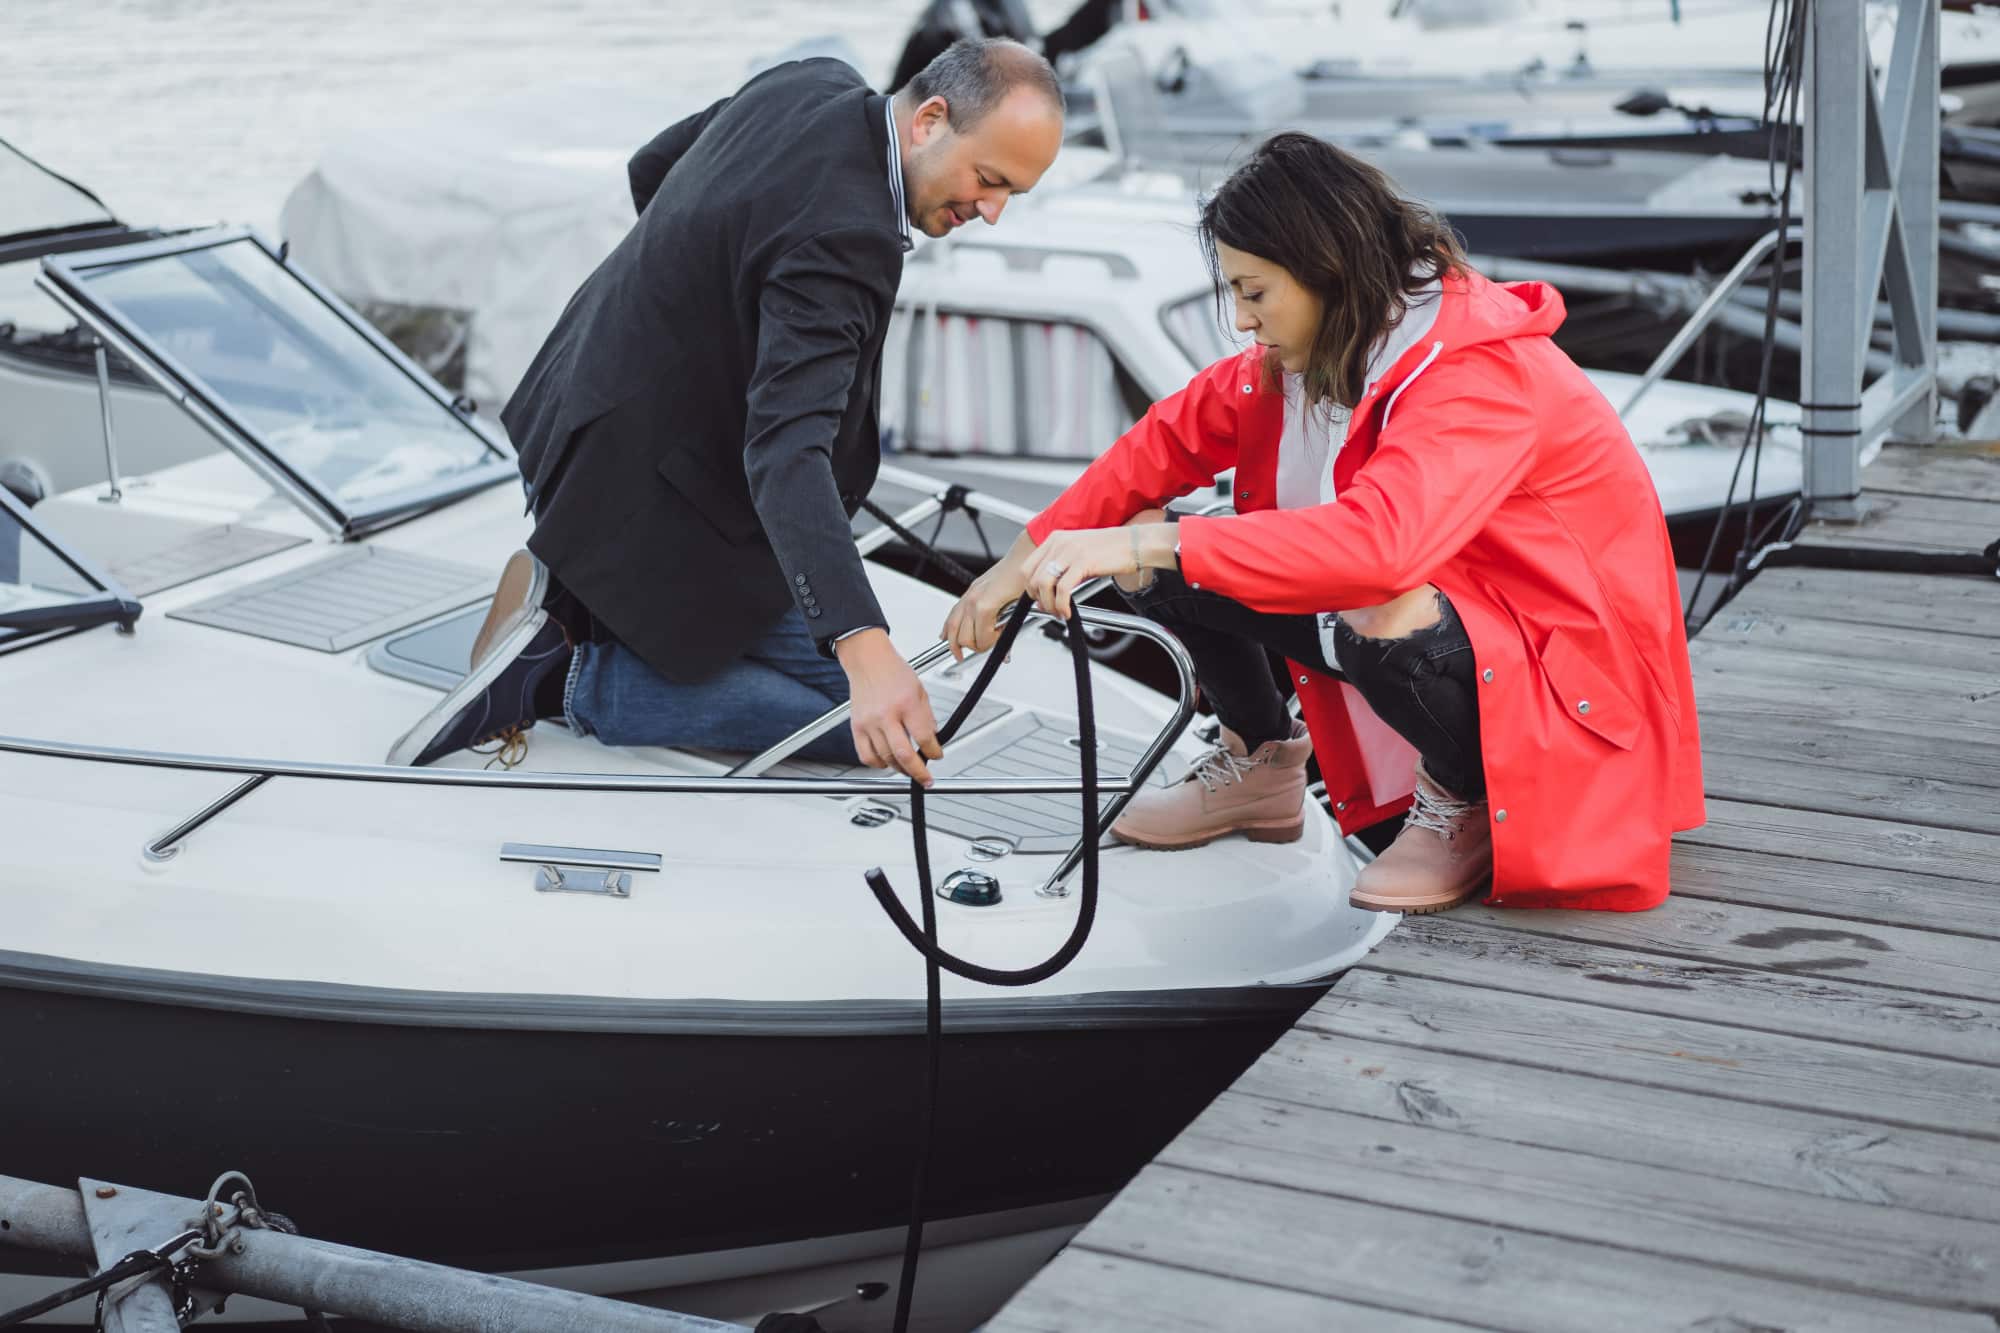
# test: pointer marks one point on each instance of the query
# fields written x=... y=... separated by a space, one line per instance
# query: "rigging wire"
x=1784 y=82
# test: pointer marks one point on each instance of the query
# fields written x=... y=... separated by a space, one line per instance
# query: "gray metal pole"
x=1837 y=313
x=1917 y=201
x=336 y=1279
x=426 y=1298
x=113 y=495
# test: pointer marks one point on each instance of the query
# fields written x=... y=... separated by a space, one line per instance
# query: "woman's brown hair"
x=1337 y=225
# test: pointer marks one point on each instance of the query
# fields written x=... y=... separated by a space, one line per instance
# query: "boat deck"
x=1773 y=1103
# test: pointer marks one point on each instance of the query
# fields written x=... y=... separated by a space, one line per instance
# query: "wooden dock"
x=1772 y=1104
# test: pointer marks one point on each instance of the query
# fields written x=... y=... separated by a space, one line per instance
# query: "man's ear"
x=932 y=116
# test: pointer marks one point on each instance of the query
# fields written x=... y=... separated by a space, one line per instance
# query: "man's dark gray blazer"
x=697 y=428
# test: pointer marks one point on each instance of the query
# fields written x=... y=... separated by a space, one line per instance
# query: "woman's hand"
x=1067 y=560
x=974 y=623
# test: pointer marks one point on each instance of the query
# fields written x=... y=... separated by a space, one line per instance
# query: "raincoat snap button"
x=1583 y=705
x=1246 y=388
x=1499 y=816
x=1195 y=586
x=1339 y=805
x=1302 y=680
x=1486 y=675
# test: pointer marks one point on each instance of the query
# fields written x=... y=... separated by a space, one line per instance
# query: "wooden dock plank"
x=1811 y=784
x=1496 y=1276
x=1952 y=471
x=1886 y=1087
x=1731 y=726
x=1082 y=1289
x=1816 y=1154
x=1742 y=624
x=1895 y=897
x=1860 y=710
x=1748 y=670
x=1845 y=840
x=1746 y=1228
x=1947 y=605
x=1686 y=985
x=1914 y=521
x=1916 y=963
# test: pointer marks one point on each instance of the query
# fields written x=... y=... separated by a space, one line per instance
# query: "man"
x=697 y=432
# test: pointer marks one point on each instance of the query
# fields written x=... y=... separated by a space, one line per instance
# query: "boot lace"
x=1220 y=767
x=508 y=748
x=1437 y=814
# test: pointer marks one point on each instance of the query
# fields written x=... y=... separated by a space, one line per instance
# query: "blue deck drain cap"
x=970 y=888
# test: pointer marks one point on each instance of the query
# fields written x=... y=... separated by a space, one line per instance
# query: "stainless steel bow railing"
x=744 y=780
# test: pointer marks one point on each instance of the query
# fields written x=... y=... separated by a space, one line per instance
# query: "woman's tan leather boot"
x=1443 y=856
x=1261 y=795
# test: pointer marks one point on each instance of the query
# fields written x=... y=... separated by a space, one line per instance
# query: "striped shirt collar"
x=896 y=177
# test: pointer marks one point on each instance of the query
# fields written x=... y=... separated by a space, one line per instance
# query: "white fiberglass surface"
x=757 y=898
x=313 y=389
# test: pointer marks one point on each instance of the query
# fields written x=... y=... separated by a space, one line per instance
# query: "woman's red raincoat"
x=1484 y=462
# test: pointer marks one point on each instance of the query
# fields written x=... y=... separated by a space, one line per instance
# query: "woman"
x=1441 y=525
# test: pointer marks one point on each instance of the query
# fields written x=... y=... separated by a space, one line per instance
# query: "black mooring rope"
x=928 y=550
x=924 y=938
x=133 y=1264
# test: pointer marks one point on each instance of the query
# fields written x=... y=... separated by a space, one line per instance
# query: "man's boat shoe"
x=496 y=702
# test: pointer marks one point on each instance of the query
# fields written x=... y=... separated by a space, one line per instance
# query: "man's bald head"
x=976 y=126
x=974 y=74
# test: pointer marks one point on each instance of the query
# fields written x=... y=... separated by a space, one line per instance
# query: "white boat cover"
x=501 y=210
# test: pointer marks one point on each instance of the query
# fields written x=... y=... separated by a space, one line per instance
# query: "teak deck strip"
x=1772 y=1104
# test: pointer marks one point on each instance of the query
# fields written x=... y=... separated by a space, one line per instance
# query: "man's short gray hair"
x=974 y=74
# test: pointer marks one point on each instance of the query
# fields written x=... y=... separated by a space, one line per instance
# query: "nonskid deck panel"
x=347 y=599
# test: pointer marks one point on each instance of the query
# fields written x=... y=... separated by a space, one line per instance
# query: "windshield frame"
x=64 y=279
x=111 y=605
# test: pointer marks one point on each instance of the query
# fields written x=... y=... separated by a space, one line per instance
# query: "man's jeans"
x=777 y=686
x=1422 y=686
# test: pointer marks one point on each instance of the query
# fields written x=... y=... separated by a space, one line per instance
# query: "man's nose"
x=990 y=208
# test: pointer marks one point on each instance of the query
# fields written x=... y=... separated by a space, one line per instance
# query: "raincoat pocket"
x=1586 y=694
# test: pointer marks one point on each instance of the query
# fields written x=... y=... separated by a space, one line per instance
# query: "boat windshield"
x=45 y=588
x=35 y=199
x=327 y=408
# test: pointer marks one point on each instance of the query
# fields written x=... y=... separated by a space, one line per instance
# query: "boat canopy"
x=35 y=200
x=45 y=587
x=285 y=374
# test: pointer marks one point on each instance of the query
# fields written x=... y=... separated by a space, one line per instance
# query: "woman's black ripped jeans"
x=1422 y=685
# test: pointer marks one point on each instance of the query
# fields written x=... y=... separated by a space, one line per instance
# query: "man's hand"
x=974 y=624
x=892 y=720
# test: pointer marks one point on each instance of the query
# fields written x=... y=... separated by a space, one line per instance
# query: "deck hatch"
x=208 y=551
x=346 y=599
x=1023 y=744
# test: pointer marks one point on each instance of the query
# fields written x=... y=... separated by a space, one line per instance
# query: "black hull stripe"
x=332 y=1002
